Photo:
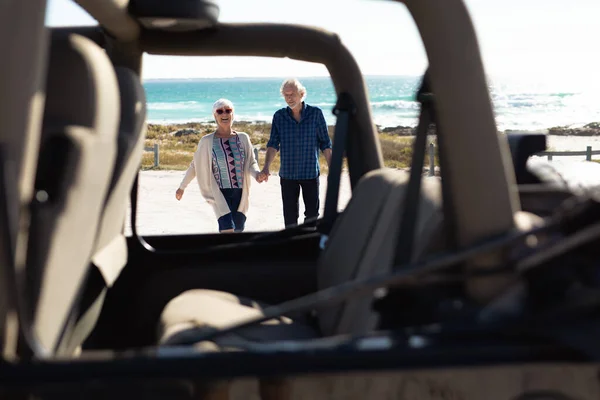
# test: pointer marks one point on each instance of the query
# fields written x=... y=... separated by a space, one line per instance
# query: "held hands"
x=179 y=194
x=263 y=176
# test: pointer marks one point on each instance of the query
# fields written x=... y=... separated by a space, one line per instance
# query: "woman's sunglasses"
x=227 y=110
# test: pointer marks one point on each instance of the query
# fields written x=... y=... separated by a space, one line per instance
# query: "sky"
x=524 y=39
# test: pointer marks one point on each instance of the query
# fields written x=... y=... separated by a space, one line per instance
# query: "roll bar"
x=484 y=203
x=113 y=16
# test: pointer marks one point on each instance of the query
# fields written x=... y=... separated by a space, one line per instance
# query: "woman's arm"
x=187 y=178
x=189 y=175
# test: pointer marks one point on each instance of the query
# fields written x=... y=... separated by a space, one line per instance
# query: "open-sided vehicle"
x=469 y=286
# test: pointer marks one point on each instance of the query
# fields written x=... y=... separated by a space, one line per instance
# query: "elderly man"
x=298 y=131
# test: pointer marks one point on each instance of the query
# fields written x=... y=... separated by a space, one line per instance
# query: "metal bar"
x=113 y=16
x=431 y=159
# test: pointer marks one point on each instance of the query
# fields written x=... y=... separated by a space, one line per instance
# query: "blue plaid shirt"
x=299 y=142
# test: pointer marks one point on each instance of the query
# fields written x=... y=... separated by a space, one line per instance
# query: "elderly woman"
x=224 y=165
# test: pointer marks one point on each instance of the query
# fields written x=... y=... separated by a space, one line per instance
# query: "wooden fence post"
x=431 y=159
x=588 y=153
x=156 y=155
x=256 y=153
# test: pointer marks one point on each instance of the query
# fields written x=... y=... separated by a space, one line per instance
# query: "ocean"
x=523 y=105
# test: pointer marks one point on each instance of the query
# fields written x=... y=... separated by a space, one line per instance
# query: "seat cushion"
x=194 y=311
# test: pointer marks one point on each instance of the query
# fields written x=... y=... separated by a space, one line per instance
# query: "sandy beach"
x=159 y=213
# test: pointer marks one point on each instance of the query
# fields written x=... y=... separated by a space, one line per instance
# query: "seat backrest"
x=110 y=254
x=110 y=251
x=23 y=46
x=363 y=243
x=76 y=160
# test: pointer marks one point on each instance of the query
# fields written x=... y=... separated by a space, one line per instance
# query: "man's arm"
x=327 y=154
x=324 y=139
x=269 y=157
x=272 y=148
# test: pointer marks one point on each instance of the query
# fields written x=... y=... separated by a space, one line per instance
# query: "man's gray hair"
x=222 y=103
x=294 y=83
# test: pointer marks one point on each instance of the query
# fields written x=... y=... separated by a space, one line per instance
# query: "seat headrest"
x=81 y=85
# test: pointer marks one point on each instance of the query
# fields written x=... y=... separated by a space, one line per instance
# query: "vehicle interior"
x=469 y=285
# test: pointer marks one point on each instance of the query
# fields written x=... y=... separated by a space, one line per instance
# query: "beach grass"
x=176 y=152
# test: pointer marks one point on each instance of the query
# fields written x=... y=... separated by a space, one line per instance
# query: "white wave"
x=173 y=121
x=395 y=104
x=387 y=120
x=325 y=104
x=180 y=105
x=238 y=118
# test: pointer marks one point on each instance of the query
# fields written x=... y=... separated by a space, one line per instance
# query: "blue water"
x=516 y=105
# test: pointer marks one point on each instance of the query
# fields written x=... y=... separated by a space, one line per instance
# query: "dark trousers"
x=290 y=193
